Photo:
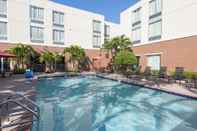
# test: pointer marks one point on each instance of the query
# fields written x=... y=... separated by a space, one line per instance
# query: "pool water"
x=96 y=104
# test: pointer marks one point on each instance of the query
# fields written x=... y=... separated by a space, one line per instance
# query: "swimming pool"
x=95 y=104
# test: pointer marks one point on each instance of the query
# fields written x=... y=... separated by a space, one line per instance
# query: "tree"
x=124 y=59
x=74 y=54
x=47 y=57
x=24 y=54
x=117 y=44
x=57 y=57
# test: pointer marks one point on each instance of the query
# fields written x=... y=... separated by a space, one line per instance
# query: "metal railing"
x=15 y=99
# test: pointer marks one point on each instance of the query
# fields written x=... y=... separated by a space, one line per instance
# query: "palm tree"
x=116 y=44
x=24 y=54
x=47 y=57
x=57 y=57
x=74 y=55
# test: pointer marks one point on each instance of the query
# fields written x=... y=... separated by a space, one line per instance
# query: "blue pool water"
x=95 y=104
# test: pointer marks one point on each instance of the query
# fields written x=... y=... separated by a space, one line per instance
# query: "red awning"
x=4 y=54
x=96 y=58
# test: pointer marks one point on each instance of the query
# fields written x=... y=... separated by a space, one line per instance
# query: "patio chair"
x=147 y=73
x=178 y=76
x=137 y=70
x=191 y=83
x=163 y=75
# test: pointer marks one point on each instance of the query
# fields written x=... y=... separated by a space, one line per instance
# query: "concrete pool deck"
x=173 y=88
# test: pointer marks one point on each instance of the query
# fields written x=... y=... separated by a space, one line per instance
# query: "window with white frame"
x=58 y=18
x=37 y=34
x=155 y=7
x=155 y=28
x=96 y=41
x=137 y=15
x=3 y=8
x=3 y=31
x=154 y=62
x=96 y=34
x=96 y=26
x=58 y=36
x=136 y=35
x=136 y=26
x=37 y=14
x=107 y=32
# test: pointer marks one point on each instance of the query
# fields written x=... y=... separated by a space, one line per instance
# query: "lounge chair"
x=163 y=75
x=147 y=73
x=190 y=84
x=135 y=74
x=178 y=76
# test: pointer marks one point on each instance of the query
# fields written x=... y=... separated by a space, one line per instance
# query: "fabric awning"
x=7 y=55
x=96 y=58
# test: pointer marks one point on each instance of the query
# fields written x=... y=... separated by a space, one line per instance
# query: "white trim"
x=152 y=54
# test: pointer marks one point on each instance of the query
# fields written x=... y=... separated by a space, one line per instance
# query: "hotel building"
x=46 y=23
x=164 y=33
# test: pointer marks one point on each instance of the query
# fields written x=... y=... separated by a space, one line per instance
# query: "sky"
x=109 y=8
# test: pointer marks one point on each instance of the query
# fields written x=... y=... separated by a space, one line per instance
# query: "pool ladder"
x=19 y=112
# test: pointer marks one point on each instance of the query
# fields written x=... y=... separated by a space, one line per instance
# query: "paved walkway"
x=17 y=83
x=170 y=88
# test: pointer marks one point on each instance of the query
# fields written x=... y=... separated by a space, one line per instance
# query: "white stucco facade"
x=115 y=29
x=78 y=24
x=177 y=21
x=177 y=16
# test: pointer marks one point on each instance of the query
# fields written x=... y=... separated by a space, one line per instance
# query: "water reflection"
x=94 y=104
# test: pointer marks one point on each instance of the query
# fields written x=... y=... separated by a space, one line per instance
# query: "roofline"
x=130 y=6
x=75 y=8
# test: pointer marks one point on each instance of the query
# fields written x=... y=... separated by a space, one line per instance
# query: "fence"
x=41 y=68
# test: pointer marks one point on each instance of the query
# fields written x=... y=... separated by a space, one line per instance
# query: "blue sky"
x=109 y=8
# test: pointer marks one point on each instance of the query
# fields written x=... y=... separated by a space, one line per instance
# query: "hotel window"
x=37 y=34
x=136 y=34
x=107 y=32
x=3 y=31
x=96 y=41
x=137 y=15
x=58 y=36
x=136 y=26
x=155 y=20
x=58 y=18
x=155 y=7
x=37 y=14
x=154 y=62
x=3 y=8
x=96 y=34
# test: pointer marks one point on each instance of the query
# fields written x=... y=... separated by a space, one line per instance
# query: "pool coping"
x=146 y=86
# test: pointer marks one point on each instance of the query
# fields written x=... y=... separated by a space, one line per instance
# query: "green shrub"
x=155 y=72
x=19 y=71
x=124 y=59
x=190 y=75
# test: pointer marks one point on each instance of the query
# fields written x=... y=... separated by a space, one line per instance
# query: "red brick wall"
x=98 y=58
x=174 y=53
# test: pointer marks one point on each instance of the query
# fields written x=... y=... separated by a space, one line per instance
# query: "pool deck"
x=173 y=88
